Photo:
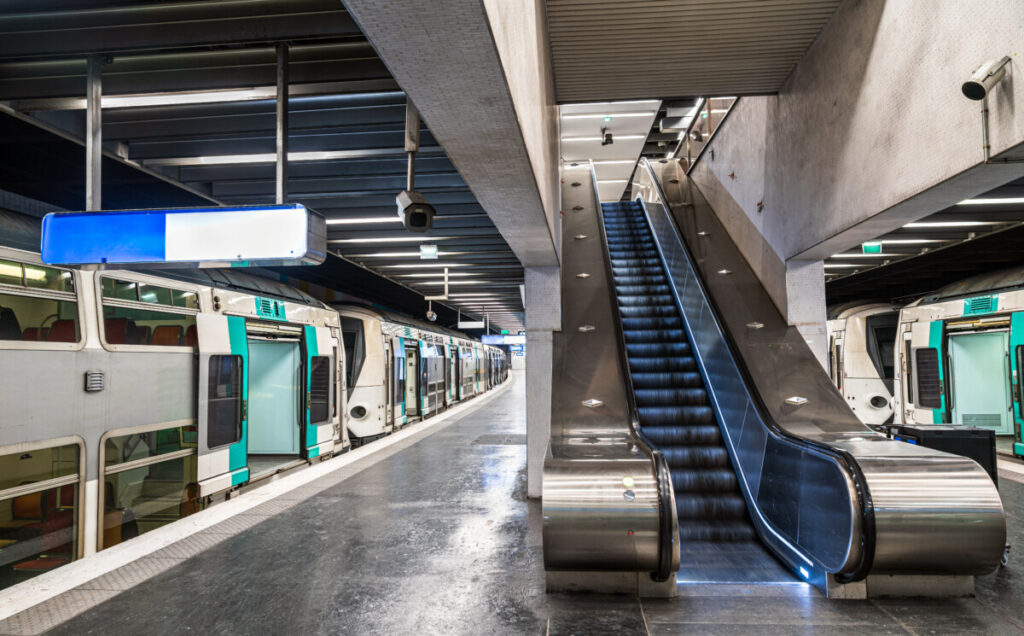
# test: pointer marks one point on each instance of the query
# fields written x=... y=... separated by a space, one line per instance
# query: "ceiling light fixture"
x=993 y=201
x=931 y=224
x=364 y=220
x=392 y=239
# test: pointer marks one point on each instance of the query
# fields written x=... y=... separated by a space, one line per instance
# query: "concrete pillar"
x=543 y=317
x=805 y=304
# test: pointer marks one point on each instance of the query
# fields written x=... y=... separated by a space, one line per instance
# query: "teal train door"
x=274 y=397
x=979 y=372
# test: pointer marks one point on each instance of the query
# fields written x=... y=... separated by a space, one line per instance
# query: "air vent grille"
x=980 y=305
x=929 y=382
x=94 y=381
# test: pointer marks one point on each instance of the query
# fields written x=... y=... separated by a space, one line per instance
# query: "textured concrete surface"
x=439 y=538
x=445 y=58
x=870 y=131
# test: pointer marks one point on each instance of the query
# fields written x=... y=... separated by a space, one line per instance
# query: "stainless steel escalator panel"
x=825 y=486
x=601 y=502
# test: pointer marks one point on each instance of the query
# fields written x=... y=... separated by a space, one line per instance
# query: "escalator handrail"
x=855 y=472
x=661 y=471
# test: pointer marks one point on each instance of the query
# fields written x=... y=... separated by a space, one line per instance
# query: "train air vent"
x=985 y=420
x=980 y=305
x=94 y=381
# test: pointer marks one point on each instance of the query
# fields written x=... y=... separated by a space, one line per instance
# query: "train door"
x=222 y=402
x=274 y=389
x=447 y=360
x=389 y=396
x=1016 y=371
x=928 y=371
x=398 y=386
x=979 y=372
x=412 y=374
x=905 y=386
x=835 y=359
x=320 y=348
x=456 y=386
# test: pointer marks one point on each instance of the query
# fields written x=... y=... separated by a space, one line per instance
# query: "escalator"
x=696 y=438
x=718 y=541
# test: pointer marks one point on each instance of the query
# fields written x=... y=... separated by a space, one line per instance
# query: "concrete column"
x=805 y=304
x=543 y=317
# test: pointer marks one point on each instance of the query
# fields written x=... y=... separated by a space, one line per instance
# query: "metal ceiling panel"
x=609 y=49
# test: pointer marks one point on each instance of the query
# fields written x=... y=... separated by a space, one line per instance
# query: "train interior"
x=273 y=417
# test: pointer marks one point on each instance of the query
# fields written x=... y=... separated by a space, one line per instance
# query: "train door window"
x=38 y=511
x=130 y=318
x=1018 y=384
x=336 y=403
x=881 y=336
x=37 y=304
x=149 y=480
x=319 y=390
x=355 y=350
x=929 y=383
x=908 y=362
x=225 y=407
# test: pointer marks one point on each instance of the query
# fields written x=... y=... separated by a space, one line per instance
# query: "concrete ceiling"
x=642 y=49
x=346 y=123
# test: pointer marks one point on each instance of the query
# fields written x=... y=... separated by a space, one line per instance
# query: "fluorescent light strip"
x=269 y=157
x=364 y=220
x=840 y=265
x=602 y=138
x=436 y=275
x=393 y=239
x=651 y=102
x=932 y=224
x=422 y=265
x=909 y=241
x=1004 y=201
x=878 y=255
x=612 y=180
x=611 y=115
x=608 y=162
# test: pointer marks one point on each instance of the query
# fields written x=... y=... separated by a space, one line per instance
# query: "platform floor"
x=435 y=536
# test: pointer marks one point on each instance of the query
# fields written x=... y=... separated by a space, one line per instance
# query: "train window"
x=11 y=273
x=319 y=390
x=149 y=480
x=34 y=318
x=187 y=299
x=120 y=289
x=38 y=511
x=224 y=401
x=154 y=294
x=39 y=277
x=131 y=326
x=355 y=349
x=929 y=383
x=881 y=331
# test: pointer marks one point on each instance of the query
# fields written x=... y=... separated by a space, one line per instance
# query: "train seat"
x=167 y=335
x=142 y=335
x=116 y=330
x=26 y=510
x=33 y=333
x=191 y=336
x=63 y=331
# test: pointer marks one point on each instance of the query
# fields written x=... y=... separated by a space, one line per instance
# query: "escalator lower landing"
x=717 y=540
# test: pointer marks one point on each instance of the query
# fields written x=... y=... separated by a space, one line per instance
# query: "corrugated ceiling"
x=610 y=49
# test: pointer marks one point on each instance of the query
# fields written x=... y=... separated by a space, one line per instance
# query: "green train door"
x=928 y=372
x=979 y=372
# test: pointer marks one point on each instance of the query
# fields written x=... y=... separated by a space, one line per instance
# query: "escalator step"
x=704 y=435
x=662 y=365
x=671 y=397
x=650 y=336
x=666 y=380
x=669 y=322
x=696 y=457
x=705 y=480
x=719 y=506
x=641 y=290
x=675 y=415
x=658 y=350
x=639 y=280
x=722 y=531
x=649 y=301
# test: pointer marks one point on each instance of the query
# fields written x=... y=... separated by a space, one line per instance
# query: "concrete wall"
x=869 y=132
x=520 y=33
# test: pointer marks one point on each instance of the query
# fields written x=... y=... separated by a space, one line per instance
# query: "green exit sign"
x=871 y=248
x=504 y=332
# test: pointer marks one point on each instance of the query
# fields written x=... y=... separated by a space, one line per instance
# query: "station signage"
x=202 y=237
x=495 y=339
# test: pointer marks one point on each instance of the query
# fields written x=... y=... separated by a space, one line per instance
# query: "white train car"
x=400 y=370
x=959 y=355
x=131 y=400
x=860 y=358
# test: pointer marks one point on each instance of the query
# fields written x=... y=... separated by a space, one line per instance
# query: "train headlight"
x=878 y=401
x=358 y=412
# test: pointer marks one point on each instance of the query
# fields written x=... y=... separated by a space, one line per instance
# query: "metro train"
x=131 y=400
x=860 y=357
x=956 y=354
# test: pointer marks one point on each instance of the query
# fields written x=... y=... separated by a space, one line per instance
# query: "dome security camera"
x=431 y=316
x=984 y=79
x=417 y=215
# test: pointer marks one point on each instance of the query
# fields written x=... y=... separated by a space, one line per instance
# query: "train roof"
x=403 y=319
x=858 y=308
x=1002 y=280
x=235 y=280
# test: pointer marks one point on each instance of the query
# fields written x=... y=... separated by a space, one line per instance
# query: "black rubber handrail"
x=857 y=475
x=661 y=471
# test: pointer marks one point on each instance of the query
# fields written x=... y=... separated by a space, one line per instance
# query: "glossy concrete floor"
x=438 y=538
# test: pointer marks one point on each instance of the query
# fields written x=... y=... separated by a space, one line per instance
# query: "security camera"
x=415 y=212
x=606 y=137
x=431 y=316
x=697 y=136
x=988 y=75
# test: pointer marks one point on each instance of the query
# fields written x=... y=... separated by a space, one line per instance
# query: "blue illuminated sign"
x=256 y=235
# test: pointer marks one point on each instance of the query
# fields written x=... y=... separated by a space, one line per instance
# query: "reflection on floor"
x=439 y=538
x=741 y=562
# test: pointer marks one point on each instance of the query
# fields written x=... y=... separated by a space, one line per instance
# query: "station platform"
x=433 y=534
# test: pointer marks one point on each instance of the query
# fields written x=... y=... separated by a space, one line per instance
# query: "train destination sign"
x=203 y=237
